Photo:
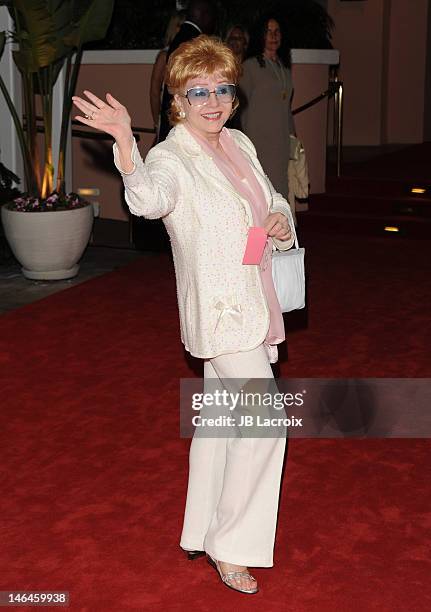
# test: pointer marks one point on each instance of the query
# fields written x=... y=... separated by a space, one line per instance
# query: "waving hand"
x=110 y=116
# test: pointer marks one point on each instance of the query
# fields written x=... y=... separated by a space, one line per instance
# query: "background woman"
x=158 y=72
x=266 y=86
x=209 y=188
x=237 y=39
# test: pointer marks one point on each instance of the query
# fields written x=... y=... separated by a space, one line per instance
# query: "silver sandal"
x=228 y=576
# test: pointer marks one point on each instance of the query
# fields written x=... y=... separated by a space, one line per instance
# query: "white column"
x=10 y=153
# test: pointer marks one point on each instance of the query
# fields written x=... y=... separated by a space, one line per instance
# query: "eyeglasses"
x=198 y=96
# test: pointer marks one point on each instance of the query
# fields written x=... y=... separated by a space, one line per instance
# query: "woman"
x=237 y=39
x=207 y=185
x=158 y=72
x=266 y=86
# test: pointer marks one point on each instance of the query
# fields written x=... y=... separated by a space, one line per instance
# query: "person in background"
x=237 y=39
x=158 y=73
x=201 y=17
x=266 y=87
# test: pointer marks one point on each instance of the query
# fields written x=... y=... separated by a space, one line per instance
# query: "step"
x=371 y=205
x=349 y=185
x=361 y=224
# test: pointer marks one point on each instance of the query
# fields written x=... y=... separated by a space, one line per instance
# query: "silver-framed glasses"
x=198 y=96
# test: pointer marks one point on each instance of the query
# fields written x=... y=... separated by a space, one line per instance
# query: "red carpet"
x=94 y=473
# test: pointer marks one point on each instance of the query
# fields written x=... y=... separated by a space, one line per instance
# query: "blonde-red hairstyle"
x=201 y=56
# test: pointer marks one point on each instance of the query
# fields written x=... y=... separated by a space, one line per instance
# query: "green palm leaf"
x=41 y=28
x=91 y=24
x=47 y=32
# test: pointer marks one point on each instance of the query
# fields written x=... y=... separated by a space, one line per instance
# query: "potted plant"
x=7 y=193
x=46 y=228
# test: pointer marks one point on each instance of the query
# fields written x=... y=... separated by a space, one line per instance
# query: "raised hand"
x=110 y=116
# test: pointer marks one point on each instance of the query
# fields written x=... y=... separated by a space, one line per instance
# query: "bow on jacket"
x=228 y=307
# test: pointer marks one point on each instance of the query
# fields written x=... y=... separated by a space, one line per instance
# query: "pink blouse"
x=249 y=187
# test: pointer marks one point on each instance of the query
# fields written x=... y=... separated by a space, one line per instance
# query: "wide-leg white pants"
x=234 y=483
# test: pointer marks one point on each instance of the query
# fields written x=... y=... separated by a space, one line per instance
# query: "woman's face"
x=209 y=118
x=272 y=36
x=237 y=41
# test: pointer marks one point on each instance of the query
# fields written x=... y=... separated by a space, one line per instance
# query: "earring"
x=181 y=114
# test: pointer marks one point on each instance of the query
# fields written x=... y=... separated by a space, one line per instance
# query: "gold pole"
x=335 y=113
x=340 y=104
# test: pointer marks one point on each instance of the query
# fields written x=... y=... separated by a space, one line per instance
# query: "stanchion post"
x=340 y=104
x=334 y=111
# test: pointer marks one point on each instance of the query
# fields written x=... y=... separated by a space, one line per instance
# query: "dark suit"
x=185 y=33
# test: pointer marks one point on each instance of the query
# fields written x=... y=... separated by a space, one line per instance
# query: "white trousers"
x=234 y=483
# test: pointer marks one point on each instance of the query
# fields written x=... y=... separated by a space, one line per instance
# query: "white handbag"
x=288 y=274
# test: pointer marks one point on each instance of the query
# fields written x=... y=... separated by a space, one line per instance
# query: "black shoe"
x=194 y=554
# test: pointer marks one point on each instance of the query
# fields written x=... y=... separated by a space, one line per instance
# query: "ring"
x=90 y=117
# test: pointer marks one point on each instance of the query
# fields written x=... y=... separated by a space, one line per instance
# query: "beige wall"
x=92 y=159
x=407 y=70
x=383 y=50
x=358 y=36
x=427 y=118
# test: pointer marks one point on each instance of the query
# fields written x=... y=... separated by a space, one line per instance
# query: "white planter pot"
x=48 y=245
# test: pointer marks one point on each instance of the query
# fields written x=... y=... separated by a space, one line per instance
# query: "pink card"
x=255 y=246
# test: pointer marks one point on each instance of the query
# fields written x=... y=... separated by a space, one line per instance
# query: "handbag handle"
x=292 y=226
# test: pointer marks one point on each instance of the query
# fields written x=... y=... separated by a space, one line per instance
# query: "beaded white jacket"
x=222 y=306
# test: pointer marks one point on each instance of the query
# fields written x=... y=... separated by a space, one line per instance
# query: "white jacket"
x=221 y=302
